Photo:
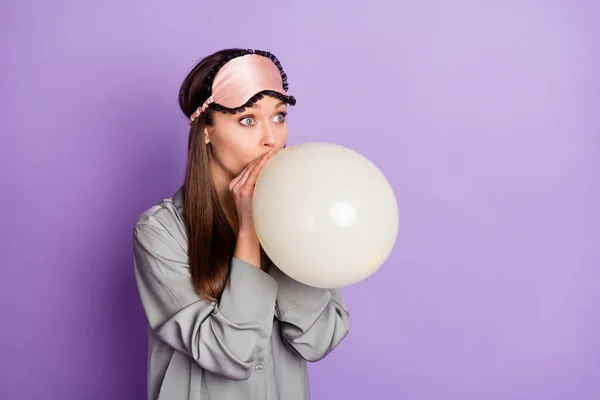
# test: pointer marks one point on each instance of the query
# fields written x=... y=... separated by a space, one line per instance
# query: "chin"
x=238 y=170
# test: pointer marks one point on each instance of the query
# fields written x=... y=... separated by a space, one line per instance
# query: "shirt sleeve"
x=313 y=320
x=223 y=338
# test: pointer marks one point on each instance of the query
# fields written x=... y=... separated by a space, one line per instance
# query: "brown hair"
x=211 y=240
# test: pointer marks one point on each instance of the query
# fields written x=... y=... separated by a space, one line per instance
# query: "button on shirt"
x=253 y=344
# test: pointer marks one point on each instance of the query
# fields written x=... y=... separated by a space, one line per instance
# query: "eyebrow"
x=281 y=103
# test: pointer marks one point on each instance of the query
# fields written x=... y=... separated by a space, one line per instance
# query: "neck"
x=221 y=180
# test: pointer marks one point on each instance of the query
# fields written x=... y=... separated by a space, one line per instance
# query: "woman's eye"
x=248 y=121
x=280 y=117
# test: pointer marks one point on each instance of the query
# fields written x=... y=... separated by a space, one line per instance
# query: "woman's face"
x=238 y=139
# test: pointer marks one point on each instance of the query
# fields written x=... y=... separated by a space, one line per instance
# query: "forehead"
x=267 y=103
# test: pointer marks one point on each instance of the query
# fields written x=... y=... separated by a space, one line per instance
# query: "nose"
x=268 y=138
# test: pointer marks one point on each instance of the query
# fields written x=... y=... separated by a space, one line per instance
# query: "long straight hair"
x=211 y=240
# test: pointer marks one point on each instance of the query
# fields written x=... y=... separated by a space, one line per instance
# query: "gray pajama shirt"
x=253 y=344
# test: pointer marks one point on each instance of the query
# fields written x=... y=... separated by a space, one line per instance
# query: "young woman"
x=224 y=322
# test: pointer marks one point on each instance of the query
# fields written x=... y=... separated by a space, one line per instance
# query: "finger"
x=235 y=182
x=241 y=179
x=251 y=180
x=244 y=178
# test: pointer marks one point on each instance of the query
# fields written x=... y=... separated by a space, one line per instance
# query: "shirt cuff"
x=292 y=294
x=249 y=294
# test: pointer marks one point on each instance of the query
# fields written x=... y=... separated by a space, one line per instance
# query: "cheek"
x=234 y=155
x=283 y=137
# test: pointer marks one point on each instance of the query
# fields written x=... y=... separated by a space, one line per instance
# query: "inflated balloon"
x=324 y=214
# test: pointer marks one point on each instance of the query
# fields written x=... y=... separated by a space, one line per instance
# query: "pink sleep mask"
x=242 y=78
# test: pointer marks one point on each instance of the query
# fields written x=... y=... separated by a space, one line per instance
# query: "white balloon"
x=324 y=214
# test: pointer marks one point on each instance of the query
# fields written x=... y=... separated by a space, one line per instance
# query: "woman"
x=224 y=322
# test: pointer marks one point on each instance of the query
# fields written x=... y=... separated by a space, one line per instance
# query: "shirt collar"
x=178 y=200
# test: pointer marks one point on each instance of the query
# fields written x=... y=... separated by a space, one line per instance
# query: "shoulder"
x=165 y=216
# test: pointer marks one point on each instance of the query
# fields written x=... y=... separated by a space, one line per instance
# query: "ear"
x=206 y=136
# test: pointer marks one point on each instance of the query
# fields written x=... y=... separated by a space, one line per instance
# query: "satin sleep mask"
x=243 y=80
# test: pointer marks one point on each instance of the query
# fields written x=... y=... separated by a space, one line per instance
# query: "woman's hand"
x=242 y=188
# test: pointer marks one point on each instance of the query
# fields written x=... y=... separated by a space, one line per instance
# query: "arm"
x=223 y=338
x=313 y=321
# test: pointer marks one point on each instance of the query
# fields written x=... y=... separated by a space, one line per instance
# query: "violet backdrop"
x=483 y=115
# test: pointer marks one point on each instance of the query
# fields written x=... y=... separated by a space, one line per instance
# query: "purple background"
x=483 y=115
